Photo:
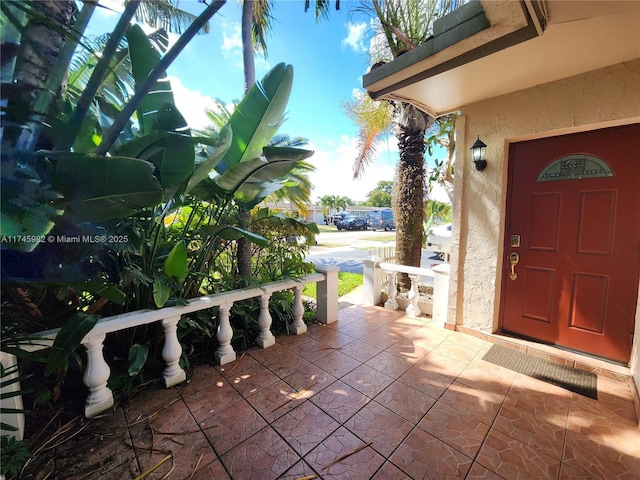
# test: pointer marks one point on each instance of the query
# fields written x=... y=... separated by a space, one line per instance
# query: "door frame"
x=506 y=240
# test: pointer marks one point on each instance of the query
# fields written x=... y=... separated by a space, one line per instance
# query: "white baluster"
x=391 y=303
x=298 y=325
x=171 y=352
x=225 y=353
x=95 y=377
x=413 y=309
x=266 y=338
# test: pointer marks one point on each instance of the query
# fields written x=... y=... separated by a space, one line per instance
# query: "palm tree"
x=402 y=24
x=255 y=26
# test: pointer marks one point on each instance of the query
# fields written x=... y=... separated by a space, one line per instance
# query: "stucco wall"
x=598 y=99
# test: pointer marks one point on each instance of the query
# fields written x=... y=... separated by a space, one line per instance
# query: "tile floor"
x=377 y=395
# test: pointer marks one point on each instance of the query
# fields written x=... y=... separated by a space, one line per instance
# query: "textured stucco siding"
x=598 y=99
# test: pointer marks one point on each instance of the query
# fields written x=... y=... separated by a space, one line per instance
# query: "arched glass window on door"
x=575 y=167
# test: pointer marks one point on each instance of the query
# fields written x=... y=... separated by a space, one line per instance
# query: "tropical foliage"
x=110 y=203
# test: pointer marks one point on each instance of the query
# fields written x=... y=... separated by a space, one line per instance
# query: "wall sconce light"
x=478 y=152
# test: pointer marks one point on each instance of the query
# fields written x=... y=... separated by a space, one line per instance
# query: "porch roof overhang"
x=491 y=48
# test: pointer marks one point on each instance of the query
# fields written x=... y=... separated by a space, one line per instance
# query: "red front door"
x=572 y=252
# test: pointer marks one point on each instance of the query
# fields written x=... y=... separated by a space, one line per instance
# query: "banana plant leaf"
x=68 y=339
x=204 y=168
x=172 y=153
x=228 y=232
x=96 y=189
x=257 y=117
x=281 y=219
x=252 y=181
x=158 y=111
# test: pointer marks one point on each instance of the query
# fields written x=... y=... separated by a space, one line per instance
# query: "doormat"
x=578 y=381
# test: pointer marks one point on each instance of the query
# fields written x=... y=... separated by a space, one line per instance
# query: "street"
x=346 y=249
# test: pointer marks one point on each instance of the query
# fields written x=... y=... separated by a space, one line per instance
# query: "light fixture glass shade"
x=478 y=150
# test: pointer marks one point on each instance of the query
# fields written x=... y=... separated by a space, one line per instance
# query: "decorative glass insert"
x=575 y=167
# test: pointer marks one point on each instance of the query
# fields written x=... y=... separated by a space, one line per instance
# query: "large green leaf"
x=213 y=158
x=228 y=232
x=157 y=112
x=137 y=358
x=99 y=286
x=102 y=188
x=68 y=339
x=176 y=264
x=277 y=162
x=256 y=119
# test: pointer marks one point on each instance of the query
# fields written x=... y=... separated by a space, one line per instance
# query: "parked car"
x=439 y=240
x=353 y=223
x=381 y=219
x=338 y=218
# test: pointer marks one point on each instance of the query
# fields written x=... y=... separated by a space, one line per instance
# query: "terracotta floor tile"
x=478 y=472
x=381 y=339
x=409 y=349
x=340 y=401
x=232 y=426
x=212 y=399
x=601 y=461
x=243 y=362
x=263 y=456
x=459 y=431
x=310 y=377
x=334 y=338
x=284 y=363
x=389 y=471
x=360 y=329
x=461 y=347
x=275 y=400
x=570 y=473
x=510 y=458
x=361 y=351
x=253 y=380
x=536 y=396
x=213 y=470
x=423 y=456
x=298 y=471
x=291 y=341
x=187 y=452
x=312 y=351
x=380 y=425
x=338 y=364
x=200 y=377
x=406 y=401
x=305 y=427
x=425 y=381
x=487 y=377
x=349 y=315
x=368 y=380
x=587 y=415
x=149 y=402
x=442 y=364
x=359 y=466
x=543 y=431
x=390 y=364
x=262 y=354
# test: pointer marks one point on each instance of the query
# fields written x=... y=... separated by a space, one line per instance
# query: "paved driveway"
x=347 y=249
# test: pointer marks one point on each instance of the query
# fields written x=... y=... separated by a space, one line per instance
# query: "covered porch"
x=375 y=395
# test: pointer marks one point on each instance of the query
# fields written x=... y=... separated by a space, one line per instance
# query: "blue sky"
x=329 y=58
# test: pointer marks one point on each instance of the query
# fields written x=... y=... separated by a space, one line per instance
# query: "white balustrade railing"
x=97 y=372
x=376 y=270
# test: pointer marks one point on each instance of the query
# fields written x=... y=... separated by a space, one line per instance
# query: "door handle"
x=514 y=258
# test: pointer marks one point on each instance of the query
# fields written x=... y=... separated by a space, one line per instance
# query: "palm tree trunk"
x=410 y=187
x=243 y=255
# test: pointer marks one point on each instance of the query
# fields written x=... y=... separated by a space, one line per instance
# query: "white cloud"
x=334 y=171
x=191 y=104
x=231 y=40
x=355 y=37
